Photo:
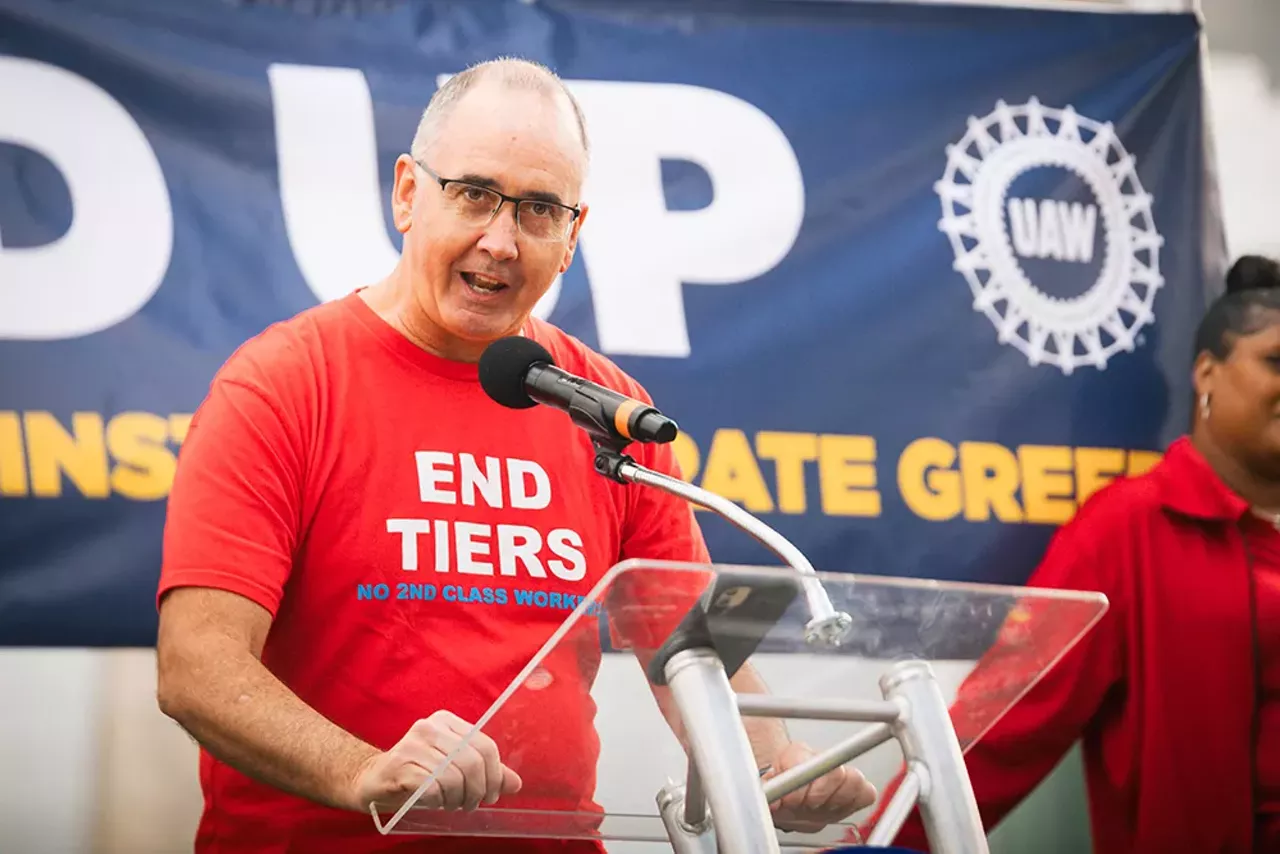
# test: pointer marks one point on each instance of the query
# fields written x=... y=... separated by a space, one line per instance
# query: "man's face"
x=479 y=282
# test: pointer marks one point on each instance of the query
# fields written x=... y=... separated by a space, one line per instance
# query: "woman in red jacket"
x=1176 y=692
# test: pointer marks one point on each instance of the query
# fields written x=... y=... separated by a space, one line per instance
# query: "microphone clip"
x=609 y=458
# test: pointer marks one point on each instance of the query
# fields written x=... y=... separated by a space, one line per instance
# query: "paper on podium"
x=582 y=724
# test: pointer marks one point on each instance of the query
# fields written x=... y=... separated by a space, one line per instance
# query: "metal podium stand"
x=924 y=669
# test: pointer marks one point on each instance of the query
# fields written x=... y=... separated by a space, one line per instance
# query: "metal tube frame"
x=913 y=711
x=726 y=767
x=724 y=807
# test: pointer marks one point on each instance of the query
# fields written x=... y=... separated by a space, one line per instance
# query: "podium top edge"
x=849 y=579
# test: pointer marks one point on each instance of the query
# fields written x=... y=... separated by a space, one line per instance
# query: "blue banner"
x=913 y=279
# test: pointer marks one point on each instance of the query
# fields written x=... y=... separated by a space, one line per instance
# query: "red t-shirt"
x=416 y=544
x=1264 y=548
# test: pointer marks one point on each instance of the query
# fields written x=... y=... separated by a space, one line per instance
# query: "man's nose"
x=499 y=238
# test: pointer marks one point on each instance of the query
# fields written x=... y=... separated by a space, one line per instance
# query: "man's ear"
x=403 y=192
x=572 y=244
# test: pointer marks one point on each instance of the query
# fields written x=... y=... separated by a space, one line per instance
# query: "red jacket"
x=1162 y=691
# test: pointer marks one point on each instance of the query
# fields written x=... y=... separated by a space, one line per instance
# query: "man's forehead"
x=522 y=126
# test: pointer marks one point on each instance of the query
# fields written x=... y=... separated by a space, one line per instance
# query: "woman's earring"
x=1204 y=406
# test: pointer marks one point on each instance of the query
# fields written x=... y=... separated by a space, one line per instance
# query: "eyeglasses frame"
x=515 y=201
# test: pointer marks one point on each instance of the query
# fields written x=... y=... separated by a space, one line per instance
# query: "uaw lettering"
x=1030 y=257
x=457 y=546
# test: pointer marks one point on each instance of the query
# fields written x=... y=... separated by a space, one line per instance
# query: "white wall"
x=49 y=738
x=1244 y=75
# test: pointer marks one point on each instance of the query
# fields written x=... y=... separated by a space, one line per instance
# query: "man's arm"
x=213 y=683
x=231 y=532
x=768 y=736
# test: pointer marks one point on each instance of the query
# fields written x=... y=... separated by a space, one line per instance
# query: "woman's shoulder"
x=1125 y=508
x=1126 y=496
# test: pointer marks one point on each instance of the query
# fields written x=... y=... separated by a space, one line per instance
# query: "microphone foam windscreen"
x=503 y=366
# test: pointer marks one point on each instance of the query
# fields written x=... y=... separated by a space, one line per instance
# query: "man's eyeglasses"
x=477 y=206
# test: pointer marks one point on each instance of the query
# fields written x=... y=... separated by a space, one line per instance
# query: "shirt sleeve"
x=233 y=517
x=1010 y=759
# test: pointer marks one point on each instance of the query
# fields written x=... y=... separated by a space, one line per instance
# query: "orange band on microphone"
x=623 y=415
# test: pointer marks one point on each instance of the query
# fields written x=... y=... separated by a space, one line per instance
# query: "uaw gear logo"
x=1024 y=193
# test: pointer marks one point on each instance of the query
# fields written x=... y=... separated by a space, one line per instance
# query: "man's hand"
x=475 y=776
x=827 y=800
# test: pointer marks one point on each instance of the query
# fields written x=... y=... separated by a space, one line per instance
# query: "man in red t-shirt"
x=362 y=550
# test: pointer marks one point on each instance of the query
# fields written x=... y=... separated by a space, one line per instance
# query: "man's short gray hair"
x=509 y=71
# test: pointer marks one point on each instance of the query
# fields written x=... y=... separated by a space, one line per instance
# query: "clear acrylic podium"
x=922 y=671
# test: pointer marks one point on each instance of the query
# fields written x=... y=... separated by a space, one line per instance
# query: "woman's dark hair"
x=1253 y=291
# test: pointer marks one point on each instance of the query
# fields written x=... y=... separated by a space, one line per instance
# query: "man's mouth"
x=483 y=284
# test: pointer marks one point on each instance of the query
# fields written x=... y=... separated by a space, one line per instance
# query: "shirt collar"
x=1190 y=486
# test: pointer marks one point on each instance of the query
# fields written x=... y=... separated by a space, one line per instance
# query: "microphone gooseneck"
x=520 y=373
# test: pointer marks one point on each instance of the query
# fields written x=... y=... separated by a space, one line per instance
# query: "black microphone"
x=519 y=373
